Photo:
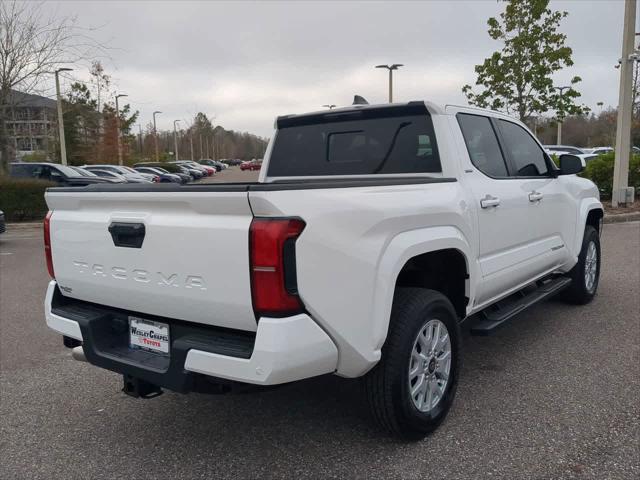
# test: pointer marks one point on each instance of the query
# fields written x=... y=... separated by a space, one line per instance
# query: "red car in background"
x=210 y=170
x=252 y=165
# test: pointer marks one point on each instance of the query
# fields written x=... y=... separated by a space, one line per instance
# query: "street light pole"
x=561 y=90
x=63 y=146
x=625 y=105
x=175 y=139
x=391 y=68
x=155 y=134
x=118 y=128
x=140 y=141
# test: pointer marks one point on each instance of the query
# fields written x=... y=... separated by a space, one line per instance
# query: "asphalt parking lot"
x=556 y=394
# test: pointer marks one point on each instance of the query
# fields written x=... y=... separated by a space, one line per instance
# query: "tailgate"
x=193 y=263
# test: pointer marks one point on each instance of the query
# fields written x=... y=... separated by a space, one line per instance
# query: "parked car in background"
x=210 y=170
x=169 y=168
x=3 y=227
x=231 y=161
x=563 y=149
x=197 y=171
x=52 y=172
x=219 y=166
x=131 y=177
x=148 y=176
x=87 y=173
x=165 y=177
x=183 y=171
x=116 y=177
x=251 y=165
x=196 y=174
x=205 y=169
x=600 y=150
x=586 y=158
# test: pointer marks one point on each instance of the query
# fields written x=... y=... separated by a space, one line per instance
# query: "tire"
x=387 y=386
x=581 y=291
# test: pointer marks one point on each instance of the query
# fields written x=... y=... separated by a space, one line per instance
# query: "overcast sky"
x=247 y=62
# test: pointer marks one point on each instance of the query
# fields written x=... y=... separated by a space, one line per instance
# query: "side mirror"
x=570 y=164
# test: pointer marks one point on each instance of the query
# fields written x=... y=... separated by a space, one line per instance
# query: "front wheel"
x=412 y=388
x=585 y=275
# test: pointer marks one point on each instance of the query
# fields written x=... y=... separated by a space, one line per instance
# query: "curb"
x=23 y=225
x=622 y=217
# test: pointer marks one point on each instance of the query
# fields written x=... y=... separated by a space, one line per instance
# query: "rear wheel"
x=585 y=275
x=412 y=388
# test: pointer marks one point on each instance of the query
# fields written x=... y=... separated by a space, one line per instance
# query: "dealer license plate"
x=148 y=335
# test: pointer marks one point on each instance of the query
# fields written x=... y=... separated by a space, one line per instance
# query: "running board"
x=496 y=316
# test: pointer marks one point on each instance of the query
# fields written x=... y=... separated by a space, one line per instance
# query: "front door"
x=552 y=213
x=504 y=228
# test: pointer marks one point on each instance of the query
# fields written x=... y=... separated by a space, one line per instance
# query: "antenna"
x=358 y=100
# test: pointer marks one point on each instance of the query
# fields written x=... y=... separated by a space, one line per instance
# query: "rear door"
x=192 y=261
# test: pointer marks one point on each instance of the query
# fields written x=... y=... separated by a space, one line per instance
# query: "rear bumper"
x=282 y=350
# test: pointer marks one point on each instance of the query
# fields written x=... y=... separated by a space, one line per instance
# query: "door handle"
x=535 y=196
x=489 y=201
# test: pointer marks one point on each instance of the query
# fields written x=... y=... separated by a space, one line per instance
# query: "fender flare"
x=399 y=251
x=586 y=205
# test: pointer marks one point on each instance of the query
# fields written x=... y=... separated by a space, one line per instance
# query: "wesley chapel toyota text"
x=372 y=234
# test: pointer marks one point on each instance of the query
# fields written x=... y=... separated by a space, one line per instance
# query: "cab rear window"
x=364 y=142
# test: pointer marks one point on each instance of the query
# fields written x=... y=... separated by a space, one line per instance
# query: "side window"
x=18 y=170
x=482 y=145
x=37 y=171
x=527 y=156
x=43 y=172
x=55 y=175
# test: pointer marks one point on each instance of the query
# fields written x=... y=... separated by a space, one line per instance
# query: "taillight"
x=47 y=244
x=273 y=266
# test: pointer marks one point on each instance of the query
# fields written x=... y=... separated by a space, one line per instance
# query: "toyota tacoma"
x=373 y=235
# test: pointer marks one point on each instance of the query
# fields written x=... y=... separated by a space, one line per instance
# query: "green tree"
x=81 y=124
x=90 y=128
x=517 y=79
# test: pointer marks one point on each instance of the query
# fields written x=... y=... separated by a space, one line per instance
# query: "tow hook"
x=138 y=388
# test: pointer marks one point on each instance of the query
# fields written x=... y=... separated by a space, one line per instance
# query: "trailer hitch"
x=138 y=388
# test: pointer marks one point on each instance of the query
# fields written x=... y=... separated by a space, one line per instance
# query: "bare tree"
x=33 y=45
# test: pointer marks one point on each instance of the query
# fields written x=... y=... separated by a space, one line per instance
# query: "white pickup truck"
x=372 y=233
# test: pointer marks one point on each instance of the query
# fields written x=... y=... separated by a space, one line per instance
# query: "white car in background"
x=560 y=149
x=128 y=173
x=599 y=150
x=116 y=177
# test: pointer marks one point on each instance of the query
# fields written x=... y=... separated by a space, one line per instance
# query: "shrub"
x=23 y=198
x=600 y=171
x=38 y=156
